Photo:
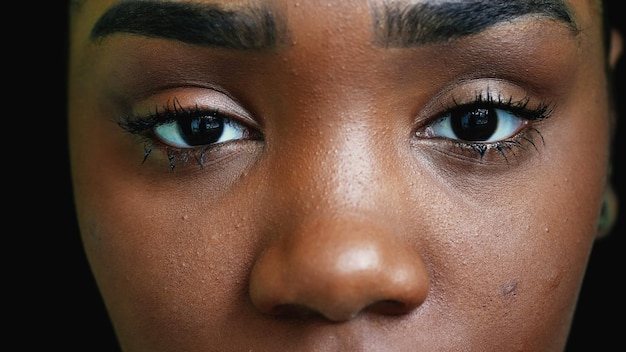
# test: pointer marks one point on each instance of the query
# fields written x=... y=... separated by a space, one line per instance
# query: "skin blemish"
x=509 y=289
x=339 y=175
x=555 y=280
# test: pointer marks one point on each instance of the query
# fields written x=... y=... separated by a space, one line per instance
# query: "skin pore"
x=329 y=175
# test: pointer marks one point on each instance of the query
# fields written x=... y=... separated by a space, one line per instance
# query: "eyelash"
x=519 y=108
x=145 y=126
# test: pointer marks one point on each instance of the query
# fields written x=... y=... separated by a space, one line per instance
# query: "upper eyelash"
x=137 y=123
x=144 y=126
x=517 y=107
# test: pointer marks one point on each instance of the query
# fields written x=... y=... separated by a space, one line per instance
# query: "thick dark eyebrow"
x=405 y=24
x=245 y=28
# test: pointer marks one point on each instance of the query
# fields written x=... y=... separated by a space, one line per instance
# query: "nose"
x=338 y=268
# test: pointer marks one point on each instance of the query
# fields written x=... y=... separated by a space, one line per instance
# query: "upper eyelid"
x=140 y=123
x=192 y=98
x=520 y=108
x=494 y=92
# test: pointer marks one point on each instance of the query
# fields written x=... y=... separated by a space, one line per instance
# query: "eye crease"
x=489 y=122
x=186 y=133
x=381 y=175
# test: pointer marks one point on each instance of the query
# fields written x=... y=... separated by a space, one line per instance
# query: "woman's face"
x=339 y=175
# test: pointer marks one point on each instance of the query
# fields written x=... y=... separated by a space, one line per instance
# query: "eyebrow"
x=210 y=25
x=402 y=24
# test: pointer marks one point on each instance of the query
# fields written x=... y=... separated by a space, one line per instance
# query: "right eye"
x=478 y=124
x=191 y=133
x=200 y=128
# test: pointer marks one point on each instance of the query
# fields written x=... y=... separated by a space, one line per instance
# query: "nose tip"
x=338 y=274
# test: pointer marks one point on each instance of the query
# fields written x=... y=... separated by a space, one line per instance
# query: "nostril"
x=389 y=307
x=383 y=307
x=337 y=271
x=294 y=311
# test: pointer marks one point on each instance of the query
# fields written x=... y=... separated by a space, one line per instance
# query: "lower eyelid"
x=178 y=151
x=458 y=156
x=157 y=153
x=505 y=149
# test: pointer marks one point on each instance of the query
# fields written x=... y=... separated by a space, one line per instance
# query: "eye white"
x=508 y=125
x=171 y=133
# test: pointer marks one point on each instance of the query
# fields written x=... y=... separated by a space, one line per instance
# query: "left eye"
x=474 y=124
x=191 y=130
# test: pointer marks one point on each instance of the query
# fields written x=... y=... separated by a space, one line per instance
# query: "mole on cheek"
x=509 y=289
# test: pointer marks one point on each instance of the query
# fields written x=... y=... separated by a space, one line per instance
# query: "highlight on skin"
x=363 y=175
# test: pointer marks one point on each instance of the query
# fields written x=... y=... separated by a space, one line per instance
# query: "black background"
x=50 y=295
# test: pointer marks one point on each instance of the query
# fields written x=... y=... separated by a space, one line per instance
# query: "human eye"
x=489 y=122
x=189 y=129
x=187 y=133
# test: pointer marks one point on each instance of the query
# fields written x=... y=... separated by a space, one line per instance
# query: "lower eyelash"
x=175 y=155
x=528 y=138
x=144 y=126
x=523 y=140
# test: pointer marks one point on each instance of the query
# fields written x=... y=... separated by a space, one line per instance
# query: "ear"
x=617 y=46
x=609 y=207
x=608 y=212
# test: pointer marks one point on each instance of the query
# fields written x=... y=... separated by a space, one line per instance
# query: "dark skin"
x=338 y=213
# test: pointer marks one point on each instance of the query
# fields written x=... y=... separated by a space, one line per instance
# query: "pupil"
x=475 y=125
x=202 y=130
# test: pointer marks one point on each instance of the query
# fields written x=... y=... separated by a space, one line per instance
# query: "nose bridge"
x=336 y=162
x=334 y=242
x=337 y=246
x=336 y=159
x=359 y=169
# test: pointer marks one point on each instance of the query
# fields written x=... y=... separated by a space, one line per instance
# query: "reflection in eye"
x=472 y=124
x=187 y=134
x=199 y=129
x=491 y=122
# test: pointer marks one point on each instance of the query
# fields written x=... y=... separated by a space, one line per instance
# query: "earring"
x=608 y=212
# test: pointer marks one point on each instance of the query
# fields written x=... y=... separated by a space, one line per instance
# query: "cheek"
x=529 y=245
x=163 y=271
x=163 y=254
x=519 y=271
